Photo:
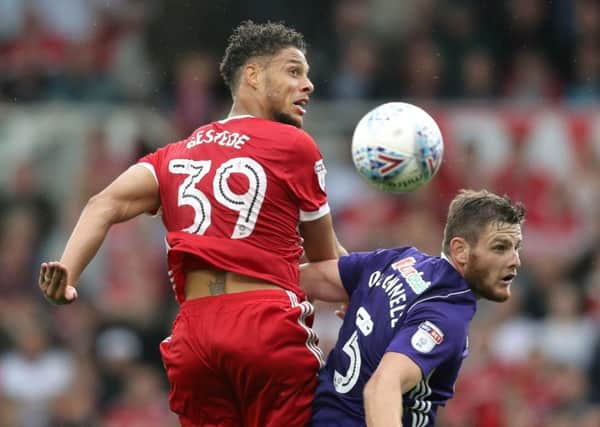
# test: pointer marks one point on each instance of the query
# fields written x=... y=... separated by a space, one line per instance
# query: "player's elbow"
x=380 y=384
x=103 y=208
x=369 y=391
x=372 y=388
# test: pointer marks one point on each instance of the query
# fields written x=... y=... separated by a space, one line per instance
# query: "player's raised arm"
x=134 y=192
x=395 y=375
x=320 y=241
x=322 y=281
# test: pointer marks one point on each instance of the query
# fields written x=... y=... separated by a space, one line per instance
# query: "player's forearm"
x=383 y=404
x=87 y=237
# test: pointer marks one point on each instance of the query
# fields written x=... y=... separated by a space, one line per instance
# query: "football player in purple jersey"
x=404 y=335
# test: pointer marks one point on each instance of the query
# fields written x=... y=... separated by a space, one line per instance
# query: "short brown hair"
x=471 y=211
x=251 y=40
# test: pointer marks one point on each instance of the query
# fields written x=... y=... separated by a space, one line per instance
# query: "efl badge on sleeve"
x=321 y=172
x=426 y=337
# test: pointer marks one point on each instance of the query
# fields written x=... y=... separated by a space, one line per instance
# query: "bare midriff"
x=208 y=282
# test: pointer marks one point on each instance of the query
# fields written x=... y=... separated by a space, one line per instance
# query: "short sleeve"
x=350 y=267
x=432 y=334
x=307 y=178
x=152 y=163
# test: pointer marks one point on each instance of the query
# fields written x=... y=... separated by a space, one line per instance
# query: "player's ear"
x=459 y=250
x=252 y=74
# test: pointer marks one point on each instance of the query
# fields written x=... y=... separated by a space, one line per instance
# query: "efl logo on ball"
x=397 y=147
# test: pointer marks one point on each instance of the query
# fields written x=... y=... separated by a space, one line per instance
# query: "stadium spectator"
x=35 y=372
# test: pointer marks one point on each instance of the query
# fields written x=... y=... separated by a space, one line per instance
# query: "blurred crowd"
x=166 y=53
x=513 y=84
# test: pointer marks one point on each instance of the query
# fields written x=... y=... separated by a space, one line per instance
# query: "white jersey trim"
x=242 y=116
x=307 y=309
x=150 y=167
x=311 y=216
x=421 y=406
x=438 y=296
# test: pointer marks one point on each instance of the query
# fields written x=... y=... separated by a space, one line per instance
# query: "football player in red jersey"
x=241 y=199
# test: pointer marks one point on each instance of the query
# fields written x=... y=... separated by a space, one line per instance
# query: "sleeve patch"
x=426 y=337
x=320 y=171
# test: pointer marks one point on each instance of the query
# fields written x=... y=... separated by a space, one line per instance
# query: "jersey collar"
x=242 y=116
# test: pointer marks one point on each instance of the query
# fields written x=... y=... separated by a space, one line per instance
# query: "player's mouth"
x=508 y=279
x=300 y=106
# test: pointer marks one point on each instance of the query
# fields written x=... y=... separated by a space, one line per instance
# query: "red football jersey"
x=232 y=195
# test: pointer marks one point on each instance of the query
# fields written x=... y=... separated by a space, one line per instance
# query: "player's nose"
x=516 y=259
x=308 y=86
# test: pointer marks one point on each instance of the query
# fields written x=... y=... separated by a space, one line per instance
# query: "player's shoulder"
x=282 y=127
x=393 y=253
x=446 y=285
x=382 y=256
x=254 y=123
x=285 y=137
x=291 y=133
x=432 y=276
x=405 y=256
x=297 y=139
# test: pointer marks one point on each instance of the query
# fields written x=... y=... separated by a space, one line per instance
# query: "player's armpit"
x=395 y=375
x=320 y=242
x=132 y=193
x=340 y=249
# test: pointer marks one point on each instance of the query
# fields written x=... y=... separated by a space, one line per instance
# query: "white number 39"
x=247 y=204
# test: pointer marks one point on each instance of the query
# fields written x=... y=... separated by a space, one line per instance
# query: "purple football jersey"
x=404 y=301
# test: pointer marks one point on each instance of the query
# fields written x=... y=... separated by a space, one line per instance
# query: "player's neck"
x=239 y=113
x=247 y=105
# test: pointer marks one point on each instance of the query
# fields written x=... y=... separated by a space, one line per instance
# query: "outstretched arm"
x=134 y=192
x=322 y=281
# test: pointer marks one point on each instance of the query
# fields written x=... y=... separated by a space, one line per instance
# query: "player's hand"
x=341 y=312
x=53 y=283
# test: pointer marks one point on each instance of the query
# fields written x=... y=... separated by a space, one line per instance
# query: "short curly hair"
x=251 y=40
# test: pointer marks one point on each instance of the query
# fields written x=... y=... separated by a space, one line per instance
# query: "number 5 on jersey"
x=344 y=383
x=247 y=204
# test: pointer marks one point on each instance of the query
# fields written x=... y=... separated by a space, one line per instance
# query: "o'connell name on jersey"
x=394 y=287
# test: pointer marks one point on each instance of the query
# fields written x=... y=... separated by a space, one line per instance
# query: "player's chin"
x=497 y=293
x=290 y=119
x=500 y=294
x=503 y=296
